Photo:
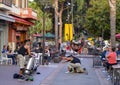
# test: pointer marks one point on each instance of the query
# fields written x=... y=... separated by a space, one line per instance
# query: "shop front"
x=5 y=20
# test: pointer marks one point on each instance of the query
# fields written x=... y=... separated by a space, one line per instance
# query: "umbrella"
x=49 y=35
x=117 y=36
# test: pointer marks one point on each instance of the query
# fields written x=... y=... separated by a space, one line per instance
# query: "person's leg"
x=21 y=61
x=107 y=65
x=78 y=67
x=71 y=67
x=13 y=58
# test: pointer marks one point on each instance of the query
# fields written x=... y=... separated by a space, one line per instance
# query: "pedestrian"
x=23 y=50
x=74 y=64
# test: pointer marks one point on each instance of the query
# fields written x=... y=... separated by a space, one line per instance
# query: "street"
x=54 y=74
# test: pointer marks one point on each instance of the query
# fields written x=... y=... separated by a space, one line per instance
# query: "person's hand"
x=64 y=61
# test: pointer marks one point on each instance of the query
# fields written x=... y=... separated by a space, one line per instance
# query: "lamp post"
x=45 y=3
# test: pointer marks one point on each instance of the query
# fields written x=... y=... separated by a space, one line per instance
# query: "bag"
x=16 y=76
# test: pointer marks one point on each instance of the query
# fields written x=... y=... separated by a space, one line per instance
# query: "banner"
x=68 y=32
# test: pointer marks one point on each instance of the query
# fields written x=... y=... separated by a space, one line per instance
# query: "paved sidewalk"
x=95 y=76
x=6 y=75
x=54 y=74
x=76 y=78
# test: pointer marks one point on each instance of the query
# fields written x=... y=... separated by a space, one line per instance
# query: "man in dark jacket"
x=74 y=64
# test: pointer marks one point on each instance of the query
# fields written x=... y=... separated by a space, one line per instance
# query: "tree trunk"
x=112 y=4
x=60 y=21
x=60 y=27
x=56 y=24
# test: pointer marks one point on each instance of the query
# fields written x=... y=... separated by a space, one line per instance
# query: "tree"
x=38 y=26
x=112 y=4
x=117 y=16
x=97 y=18
x=63 y=5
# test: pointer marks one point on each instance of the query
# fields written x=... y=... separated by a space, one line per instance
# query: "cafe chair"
x=5 y=60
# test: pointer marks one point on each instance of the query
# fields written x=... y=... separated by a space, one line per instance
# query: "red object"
x=22 y=21
x=80 y=50
x=68 y=47
x=112 y=58
x=36 y=35
x=17 y=34
x=117 y=36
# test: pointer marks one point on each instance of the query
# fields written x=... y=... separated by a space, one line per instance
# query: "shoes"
x=85 y=71
x=67 y=72
x=21 y=78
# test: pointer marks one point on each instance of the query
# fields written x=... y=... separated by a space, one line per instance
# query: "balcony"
x=28 y=13
x=5 y=5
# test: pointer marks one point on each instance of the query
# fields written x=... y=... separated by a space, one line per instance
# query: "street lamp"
x=45 y=4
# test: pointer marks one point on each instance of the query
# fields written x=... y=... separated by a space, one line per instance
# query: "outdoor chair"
x=5 y=60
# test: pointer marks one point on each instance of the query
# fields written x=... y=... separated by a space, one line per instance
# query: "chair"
x=38 y=57
x=5 y=59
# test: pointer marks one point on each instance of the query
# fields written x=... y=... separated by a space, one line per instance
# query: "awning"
x=7 y=18
x=22 y=21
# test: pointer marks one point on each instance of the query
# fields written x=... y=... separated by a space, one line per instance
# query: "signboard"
x=68 y=32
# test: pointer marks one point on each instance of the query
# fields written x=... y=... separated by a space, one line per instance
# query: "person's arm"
x=108 y=56
x=28 y=49
x=67 y=59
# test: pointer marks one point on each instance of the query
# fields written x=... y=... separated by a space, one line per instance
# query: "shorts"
x=78 y=67
x=21 y=61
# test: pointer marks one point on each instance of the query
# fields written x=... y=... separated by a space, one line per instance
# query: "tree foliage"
x=118 y=16
x=38 y=26
x=97 y=18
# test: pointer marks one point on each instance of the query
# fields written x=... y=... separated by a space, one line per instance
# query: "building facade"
x=15 y=19
x=5 y=20
x=18 y=30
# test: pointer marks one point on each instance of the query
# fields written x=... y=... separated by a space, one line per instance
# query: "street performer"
x=74 y=64
x=23 y=50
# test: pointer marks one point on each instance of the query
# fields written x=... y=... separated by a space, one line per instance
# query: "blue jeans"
x=13 y=58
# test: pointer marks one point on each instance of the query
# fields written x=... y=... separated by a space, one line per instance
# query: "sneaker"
x=67 y=72
x=21 y=78
x=85 y=71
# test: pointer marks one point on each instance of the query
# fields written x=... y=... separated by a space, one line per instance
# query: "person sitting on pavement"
x=74 y=64
x=23 y=50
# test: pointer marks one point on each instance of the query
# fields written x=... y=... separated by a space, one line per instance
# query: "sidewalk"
x=95 y=76
x=76 y=78
x=54 y=74
x=6 y=75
